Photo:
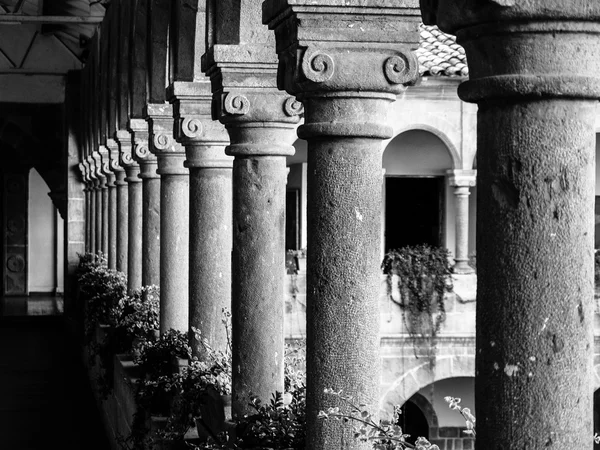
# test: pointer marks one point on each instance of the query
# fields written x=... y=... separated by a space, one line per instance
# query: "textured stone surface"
x=174 y=218
x=122 y=221
x=210 y=211
x=134 y=255
x=257 y=263
x=536 y=83
x=346 y=93
x=260 y=121
x=150 y=203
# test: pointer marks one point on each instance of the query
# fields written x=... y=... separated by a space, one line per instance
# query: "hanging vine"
x=417 y=279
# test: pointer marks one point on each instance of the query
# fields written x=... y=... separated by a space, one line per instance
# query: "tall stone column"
x=83 y=168
x=150 y=203
x=122 y=207
x=104 y=169
x=210 y=211
x=174 y=219
x=134 y=203
x=346 y=86
x=100 y=185
x=111 y=147
x=92 y=178
x=462 y=181
x=534 y=72
x=261 y=123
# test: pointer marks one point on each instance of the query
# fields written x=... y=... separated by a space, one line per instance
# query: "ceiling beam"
x=21 y=18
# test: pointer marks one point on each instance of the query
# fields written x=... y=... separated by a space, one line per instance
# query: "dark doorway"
x=597 y=416
x=413 y=422
x=413 y=211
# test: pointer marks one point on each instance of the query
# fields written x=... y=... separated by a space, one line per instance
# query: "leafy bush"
x=156 y=357
x=136 y=321
x=101 y=289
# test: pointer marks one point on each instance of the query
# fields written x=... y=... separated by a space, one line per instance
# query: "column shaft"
x=105 y=219
x=150 y=223
x=257 y=277
x=99 y=219
x=112 y=222
x=210 y=252
x=122 y=221
x=134 y=256
x=535 y=233
x=92 y=224
x=174 y=248
x=343 y=277
x=87 y=218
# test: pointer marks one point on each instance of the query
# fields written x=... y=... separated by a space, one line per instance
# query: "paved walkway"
x=45 y=399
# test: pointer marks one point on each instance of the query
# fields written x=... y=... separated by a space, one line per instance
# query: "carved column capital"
x=113 y=152
x=260 y=119
x=124 y=139
x=347 y=78
x=170 y=154
x=203 y=137
x=98 y=169
x=462 y=178
x=139 y=139
x=313 y=60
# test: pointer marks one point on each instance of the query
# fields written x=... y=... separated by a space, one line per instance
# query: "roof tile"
x=439 y=54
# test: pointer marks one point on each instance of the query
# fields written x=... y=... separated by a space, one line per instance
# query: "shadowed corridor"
x=45 y=398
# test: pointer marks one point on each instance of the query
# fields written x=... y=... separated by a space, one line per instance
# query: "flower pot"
x=178 y=364
x=215 y=410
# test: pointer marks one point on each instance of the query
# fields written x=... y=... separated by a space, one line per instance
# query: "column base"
x=462 y=268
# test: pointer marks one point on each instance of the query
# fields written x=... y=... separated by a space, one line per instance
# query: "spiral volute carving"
x=402 y=68
x=317 y=66
x=191 y=127
x=161 y=141
x=142 y=151
x=236 y=104
x=293 y=107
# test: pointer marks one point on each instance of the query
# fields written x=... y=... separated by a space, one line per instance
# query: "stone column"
x=104 y=169
x=150 y=203
x=534 y=71
x=113 y=150
x=462 y=181
x=100 y=185
x=174 y=219
x=92 y=188
x=83 y=168
x=346 y=86
x=122 y=211
x=261 y=123
x=210 y=211
x=134 y=201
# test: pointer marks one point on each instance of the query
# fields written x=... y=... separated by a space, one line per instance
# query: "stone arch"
x=426 y=408
x=437 y=128
x=596 y=377
x=453 y=366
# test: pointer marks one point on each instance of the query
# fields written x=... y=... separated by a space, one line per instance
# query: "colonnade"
x=216 y=120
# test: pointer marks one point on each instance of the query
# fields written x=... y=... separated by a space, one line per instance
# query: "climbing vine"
x=417 y=279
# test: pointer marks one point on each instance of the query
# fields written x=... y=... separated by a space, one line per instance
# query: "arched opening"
x=597 y=416
x=413 y=420
x=418 y=207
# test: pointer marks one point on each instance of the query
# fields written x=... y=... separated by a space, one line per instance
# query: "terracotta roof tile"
x=440 y=55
